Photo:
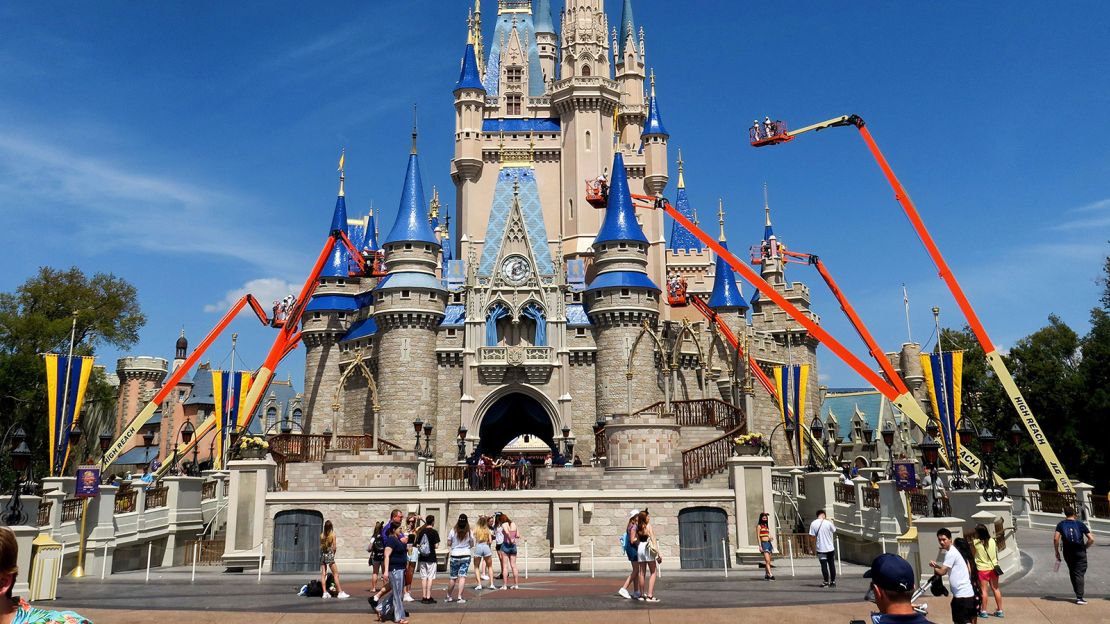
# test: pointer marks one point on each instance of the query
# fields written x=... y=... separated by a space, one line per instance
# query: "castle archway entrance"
x=513 y=416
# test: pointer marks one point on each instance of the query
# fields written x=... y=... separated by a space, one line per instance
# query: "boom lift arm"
x=1063 y=484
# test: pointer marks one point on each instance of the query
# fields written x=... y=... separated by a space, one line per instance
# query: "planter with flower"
x=253 y=447
x=749 y=443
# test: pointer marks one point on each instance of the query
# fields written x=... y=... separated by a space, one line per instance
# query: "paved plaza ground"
x=1036 y=594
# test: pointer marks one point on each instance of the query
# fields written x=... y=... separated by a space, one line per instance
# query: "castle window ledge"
x=494 y=363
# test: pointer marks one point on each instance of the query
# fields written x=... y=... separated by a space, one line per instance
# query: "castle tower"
x=181 y=350
x=655 y=139
x=470 y=100
x=139 y=379
x=687 y=257
x=727 y=300
x=409 y=304
x=547 y=41
x=628 y=60
x=327 y=317
x=619 y=300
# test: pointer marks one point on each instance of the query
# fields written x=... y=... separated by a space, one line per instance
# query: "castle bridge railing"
x=710 y=458
x=288 y=448
x=700 y=413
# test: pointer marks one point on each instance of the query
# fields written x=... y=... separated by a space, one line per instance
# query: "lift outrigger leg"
x=1063 y=484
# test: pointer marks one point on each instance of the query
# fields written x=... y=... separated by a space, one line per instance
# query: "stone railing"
x=1037 y=508
x=515 y=356
x=480 y=478
x=585 y=81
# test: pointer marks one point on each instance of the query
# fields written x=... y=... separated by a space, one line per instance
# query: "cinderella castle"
x=543 y=315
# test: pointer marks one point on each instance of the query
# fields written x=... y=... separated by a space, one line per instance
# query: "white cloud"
x=1094 y=215
x=110 y=206
x=265 y=289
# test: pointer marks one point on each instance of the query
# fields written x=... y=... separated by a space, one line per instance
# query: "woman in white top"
x=461 y=543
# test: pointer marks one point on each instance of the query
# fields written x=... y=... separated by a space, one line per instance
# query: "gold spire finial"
x=413 y=128
x=721 y=217
x=469 y=27
x=652 y=82
x=447 y=225
x=681 y=180
x=766 y=206
x=182 y=331
x=342 y=161
x=433 y=206
x=372 y=209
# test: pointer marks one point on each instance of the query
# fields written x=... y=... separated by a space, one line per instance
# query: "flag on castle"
x=943 y=372
x=794 y=376
x=66 y=381
x=229 y=394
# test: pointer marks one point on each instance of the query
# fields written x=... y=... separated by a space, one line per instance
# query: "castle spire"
x=768 y=231
x=726 y=293
x=342 y=160
x=681 y=180
x=411 y=224
x=371 y=230
x=721 y=218
x=620 y=222
x=654 y=124
x=628 y=26
x=541 y=16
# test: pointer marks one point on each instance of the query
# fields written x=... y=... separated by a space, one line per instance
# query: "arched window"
x=495 y=314
x=589 y=141
x=535 y=314
x=297 y=416
x=585 y=70
x=271 y=416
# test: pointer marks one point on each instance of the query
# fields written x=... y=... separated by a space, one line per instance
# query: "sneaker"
x=343 y=595
x=516 y=586
x=461 y=600
x=984 y=614
x=651 y=599
x=477 y=588
x=485 y=577
x=999 y=613
x=825 y=584
x=303 y=590
x=623 y=593
x=449 y=599
x=1080 y=601
x=408 y=598
x=326 y=596
x=831 y=583
x=431 y=600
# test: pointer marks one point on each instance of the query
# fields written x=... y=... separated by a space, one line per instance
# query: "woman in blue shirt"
x=396 y=561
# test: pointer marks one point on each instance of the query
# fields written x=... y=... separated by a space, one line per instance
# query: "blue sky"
x=190 y=147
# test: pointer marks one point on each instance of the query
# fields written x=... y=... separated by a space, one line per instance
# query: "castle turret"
x=409 y=304
x=619 y=300
x=727 y=300
x=327 y=317
x=655 y=139
x=547 y=41
x=181 y=350
x=470 y=98
x=628 y=61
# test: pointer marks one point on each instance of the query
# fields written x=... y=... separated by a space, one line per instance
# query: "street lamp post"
x=790 y=431
x=968 y=432
x=568 y=445
x=427 y=439
x=1015 y=442
x=21 y=459
x=818 y=431
x=417 y=425
x=929 y=451
x=888 y=440
x=185 y=434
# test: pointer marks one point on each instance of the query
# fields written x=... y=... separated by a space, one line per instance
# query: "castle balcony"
x=585 y=81
x=495 y=363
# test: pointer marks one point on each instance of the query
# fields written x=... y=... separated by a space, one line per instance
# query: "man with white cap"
x=630 y=551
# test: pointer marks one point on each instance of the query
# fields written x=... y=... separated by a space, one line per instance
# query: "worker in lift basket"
x=756 y=132
x=603 y=185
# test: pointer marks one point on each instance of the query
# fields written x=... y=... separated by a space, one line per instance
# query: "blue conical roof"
x=726 y=293
x=541 y=16
x=620 y=222
x=627 y=23
x=654 y=123
x=338 y=264
x=468 y=76
x=371 y=234
x=681 y=238
x=411 y=224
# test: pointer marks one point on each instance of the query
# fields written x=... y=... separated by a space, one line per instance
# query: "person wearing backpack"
x=1073 y=538
x=628 y=544
x=427 y=538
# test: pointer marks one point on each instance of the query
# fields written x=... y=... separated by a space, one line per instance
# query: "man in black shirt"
x=892 y=583
x=1074 y=538
x=427 y=538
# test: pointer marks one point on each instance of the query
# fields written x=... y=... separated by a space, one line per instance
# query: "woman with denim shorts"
x=765 y=544
x=483 y=553
x=461 y=543
x=511 y=536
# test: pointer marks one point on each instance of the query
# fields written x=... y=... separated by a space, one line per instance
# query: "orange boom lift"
x=780 y=134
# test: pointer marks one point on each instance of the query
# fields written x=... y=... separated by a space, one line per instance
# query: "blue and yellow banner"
x=64 y=402
x=943 y=372
x=794 y=377
x=229 y=393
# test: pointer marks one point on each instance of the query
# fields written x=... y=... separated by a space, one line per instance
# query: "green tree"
x=37 y=318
